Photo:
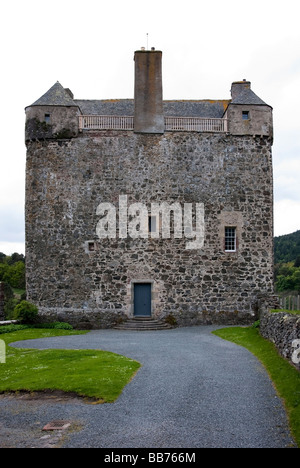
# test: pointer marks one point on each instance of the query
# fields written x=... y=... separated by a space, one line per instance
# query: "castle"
x=149 y=208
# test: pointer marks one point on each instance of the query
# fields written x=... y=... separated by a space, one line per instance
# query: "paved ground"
x=193 y=390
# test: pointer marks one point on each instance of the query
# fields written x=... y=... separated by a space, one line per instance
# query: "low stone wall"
x=283 y=330
x=79 y=319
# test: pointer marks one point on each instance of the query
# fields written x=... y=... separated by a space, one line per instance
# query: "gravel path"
x=193 y=390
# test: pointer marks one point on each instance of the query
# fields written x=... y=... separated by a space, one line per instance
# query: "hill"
x=287 y=248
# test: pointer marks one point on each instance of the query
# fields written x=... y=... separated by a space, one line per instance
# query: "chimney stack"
x=148 y=100
x=238 y=86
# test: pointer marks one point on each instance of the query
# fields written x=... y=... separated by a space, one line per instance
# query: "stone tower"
x=143 y=206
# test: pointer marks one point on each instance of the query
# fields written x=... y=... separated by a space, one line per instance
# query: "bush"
x=55 y=325
x=171 y=320
x=26 y=312
x=12 y=328
x=256 y=324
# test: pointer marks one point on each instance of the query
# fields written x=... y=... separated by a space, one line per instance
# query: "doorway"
x=142 y=299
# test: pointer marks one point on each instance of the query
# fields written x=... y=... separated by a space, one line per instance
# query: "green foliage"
x=171 y=320
x=12 y=328
x=26 y=312
x=287 y=277
x=10 y=301
x=287 y=248
x=12 y=270
x=45 y=326
x=256 y=324
x=287 y=262
x=54 y=325
x=286 y=311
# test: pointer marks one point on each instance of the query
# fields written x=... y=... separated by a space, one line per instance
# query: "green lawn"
x=285 y=377
x=293 y=312
x=95 y=374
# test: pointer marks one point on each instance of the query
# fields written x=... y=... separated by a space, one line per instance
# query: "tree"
x=17 y=275
x=12 y=270
x=26 y=312
x=297 y=262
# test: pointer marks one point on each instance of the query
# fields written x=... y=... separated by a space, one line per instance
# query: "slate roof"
x=205 y=108
x=247 y=96
x=55 y=96
x=59 y=96
x=106 y=106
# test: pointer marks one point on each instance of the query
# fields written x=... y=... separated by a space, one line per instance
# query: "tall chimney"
x=238 y=86
x=148 y=101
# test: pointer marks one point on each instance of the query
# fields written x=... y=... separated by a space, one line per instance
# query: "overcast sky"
x=88 y=46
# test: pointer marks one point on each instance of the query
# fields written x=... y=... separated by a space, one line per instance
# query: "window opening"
x=91 y=246
x=152 y=223
x=47 y=118
x=230 y=239
x=245 y=115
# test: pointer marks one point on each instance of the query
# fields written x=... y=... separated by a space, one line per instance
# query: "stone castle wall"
x=72 y=275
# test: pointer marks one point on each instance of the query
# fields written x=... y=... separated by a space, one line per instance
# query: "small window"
x=230 y=239
x=245 y=115
x=47 y=118
x=152 y=223
x=91 y=246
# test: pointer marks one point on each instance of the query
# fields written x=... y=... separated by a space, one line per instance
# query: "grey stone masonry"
x=74 y=275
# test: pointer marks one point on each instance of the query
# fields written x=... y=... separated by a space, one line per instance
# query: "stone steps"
x=143 y=324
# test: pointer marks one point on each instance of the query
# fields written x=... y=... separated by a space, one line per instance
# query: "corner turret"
x=52 y=116
x=247 y=113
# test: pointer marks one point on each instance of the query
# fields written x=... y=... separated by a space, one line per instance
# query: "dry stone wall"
x=283 y=329
x=73 y=275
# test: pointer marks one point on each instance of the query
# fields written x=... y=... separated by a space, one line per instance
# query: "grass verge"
x=100 y=375
x=284 y=376
x=286 y=311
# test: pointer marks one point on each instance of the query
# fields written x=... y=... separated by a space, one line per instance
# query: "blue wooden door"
x=142 y=299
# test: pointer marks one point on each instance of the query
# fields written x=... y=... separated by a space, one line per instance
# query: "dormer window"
x=245 y=115
x=47 y=118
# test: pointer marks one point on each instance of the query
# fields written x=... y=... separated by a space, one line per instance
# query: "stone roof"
x=55 y=96
x=247 y=96
x=106 y=106
x=205 y=108
x=59 y=96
